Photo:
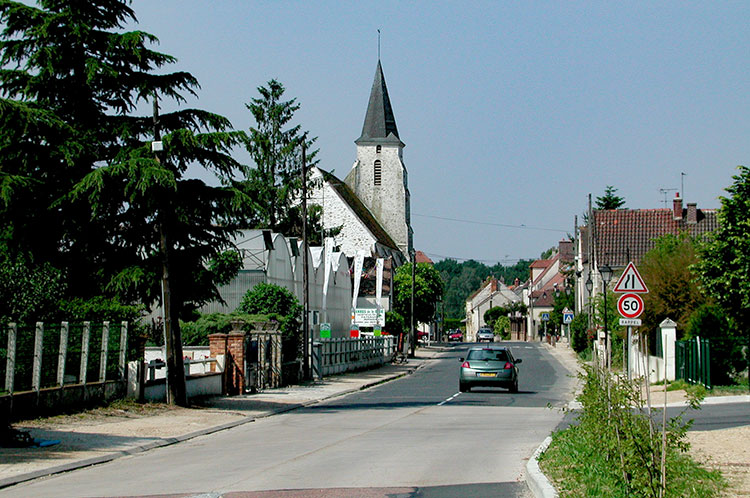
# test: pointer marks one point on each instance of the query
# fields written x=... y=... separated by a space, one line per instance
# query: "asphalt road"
x=416 y=436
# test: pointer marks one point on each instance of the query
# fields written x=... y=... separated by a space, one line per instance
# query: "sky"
x=512 y=112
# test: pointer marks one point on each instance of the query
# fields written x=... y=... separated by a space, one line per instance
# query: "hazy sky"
x=512 y=112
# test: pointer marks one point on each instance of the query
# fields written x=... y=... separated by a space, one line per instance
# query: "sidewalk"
x=89 y=440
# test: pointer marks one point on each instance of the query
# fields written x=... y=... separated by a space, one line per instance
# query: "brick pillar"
x=236 y=348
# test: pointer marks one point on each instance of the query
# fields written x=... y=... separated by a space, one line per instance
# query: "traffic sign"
x=567 y=316
x=630 y=322
x=545 y=317
x=630 y=305
x=630 y=281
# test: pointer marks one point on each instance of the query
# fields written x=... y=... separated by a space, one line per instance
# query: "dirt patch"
x=727 y=450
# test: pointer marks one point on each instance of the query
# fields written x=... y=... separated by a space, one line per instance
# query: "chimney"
x=677 y=207
x=692 y=213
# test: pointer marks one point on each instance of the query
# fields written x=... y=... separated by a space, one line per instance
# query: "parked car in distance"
x=422 y=335
x=485 y=334
x=489 y=366
x=456 y=336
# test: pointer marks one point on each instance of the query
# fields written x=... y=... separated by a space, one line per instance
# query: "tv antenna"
x=665 y=191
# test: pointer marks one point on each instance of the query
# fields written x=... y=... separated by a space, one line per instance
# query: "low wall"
x=56 y=400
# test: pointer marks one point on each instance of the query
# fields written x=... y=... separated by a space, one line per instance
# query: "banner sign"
x=369 y=317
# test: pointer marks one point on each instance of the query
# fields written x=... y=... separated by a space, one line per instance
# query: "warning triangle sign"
x=630 y=281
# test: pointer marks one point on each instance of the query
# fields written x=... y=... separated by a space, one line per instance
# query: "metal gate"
x=693 y=361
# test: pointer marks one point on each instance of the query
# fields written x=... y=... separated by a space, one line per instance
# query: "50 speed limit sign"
x=630 y=305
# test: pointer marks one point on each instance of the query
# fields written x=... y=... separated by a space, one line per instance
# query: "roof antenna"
x=682 y=184
x=378 y=44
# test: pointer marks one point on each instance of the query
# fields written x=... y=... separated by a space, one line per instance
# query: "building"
x=492 y=293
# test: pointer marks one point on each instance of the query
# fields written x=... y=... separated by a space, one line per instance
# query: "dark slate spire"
x=380 y=125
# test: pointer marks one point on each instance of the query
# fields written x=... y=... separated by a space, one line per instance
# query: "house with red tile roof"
x=617 y=236
x=492 y=293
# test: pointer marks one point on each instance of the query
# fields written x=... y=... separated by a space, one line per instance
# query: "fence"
x=42 y=359
x=693 y=358
x=333 y=356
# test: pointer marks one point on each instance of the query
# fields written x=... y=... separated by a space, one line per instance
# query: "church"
x=371 y=204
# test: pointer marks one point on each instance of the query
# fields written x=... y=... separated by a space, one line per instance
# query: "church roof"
x=364 y=214
x=380 y=124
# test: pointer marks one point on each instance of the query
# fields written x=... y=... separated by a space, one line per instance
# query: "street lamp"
x=606 y=272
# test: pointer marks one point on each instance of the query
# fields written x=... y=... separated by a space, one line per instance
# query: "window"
x=377 y=172
x=377 y=149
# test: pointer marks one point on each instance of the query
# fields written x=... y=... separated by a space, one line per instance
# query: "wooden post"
x=62 y=354
x=103 y=353
x=36 y=371
x=123 y=350
x=10 y=360
x=84 y=352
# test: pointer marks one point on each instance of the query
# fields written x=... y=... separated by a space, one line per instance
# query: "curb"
x=11 y=481
x=536 y=481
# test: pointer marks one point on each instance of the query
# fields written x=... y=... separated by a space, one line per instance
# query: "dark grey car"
x=490 y=367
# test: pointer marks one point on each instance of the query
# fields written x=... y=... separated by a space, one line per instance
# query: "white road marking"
x=447 y=400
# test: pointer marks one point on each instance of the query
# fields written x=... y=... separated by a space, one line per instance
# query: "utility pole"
x=176 y=388
x=305 y=262
x=413 y=334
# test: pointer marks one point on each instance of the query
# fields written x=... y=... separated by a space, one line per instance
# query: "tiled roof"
x=421 y=257
x=624 y=235
x=540 y=263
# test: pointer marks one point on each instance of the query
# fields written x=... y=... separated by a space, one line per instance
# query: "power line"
x=503 y=225
x=504 y=262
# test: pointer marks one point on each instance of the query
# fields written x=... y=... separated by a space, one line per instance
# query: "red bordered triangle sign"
x=630 y=281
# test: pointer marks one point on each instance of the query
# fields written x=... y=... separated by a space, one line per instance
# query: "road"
x=416 y=436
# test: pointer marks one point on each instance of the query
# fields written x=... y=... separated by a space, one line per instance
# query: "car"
x=485 y=334
x=456 y=335
x=489 y=366
x=422 y=335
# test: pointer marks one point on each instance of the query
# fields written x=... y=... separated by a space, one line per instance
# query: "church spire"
x=380 y=124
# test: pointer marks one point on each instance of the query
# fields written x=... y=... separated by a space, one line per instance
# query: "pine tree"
x=101 y=206
x=610 y=200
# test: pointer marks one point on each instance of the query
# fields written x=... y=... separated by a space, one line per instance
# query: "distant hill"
x=462 y=279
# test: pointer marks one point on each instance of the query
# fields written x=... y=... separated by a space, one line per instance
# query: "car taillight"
x=508 y=365
x=465 y=365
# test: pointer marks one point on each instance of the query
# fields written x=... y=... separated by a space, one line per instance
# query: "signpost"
x=325 y=330
x=630 y=304
x=568 y=319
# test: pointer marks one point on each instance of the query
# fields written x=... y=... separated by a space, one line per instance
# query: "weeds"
x=616 y=447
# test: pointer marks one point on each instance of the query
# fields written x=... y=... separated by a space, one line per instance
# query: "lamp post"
x=606 y=272
x=589 y=287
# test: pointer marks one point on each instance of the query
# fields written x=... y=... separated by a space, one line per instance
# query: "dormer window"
x=377 y=172
x=377 y=148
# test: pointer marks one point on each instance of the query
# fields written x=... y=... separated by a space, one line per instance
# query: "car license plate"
x=485 y=374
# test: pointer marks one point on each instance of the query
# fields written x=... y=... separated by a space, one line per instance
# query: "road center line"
x=447 y=400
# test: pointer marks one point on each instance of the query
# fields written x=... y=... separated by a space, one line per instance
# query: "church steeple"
x=380 y=124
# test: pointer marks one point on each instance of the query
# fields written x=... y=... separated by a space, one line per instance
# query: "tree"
x=276 y=151
x=673 y=290
x=724 y=256
x=710 y=322
x=428 y=290
x=112 y=216
x=610 y=200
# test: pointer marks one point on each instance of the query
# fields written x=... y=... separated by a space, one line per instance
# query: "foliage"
x=610 y=199
x=29 y=293
x=501 y=327
x=463 y=279
x=710 y=322
x=673 y=291
x=267 y=298
x=452 y=323
x=616 y=332
x=394 y=323
x=428 y=290
x=562 y=300
x=615 y=449
x=196 y=333
x=724 y=257
x=98 y=309
x=275 y=182
x=579 y=339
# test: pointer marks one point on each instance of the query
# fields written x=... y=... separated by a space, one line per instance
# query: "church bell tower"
x=379 y=177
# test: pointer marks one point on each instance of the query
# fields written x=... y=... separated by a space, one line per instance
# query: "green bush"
x=264 y=299
x=29 y=293
x=196 y=333
x=579 y=339
x=710 y=322
x=99 y=309
x=394 y=323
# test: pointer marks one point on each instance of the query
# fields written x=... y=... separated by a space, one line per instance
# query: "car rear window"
x=488 y=354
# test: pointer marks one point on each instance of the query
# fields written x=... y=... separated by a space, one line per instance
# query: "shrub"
x=266 y=299
x=196 y=333
x=710 y=322
x=394 y=323
x=579 y=339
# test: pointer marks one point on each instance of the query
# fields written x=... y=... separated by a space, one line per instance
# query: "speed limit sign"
x=630 y=305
